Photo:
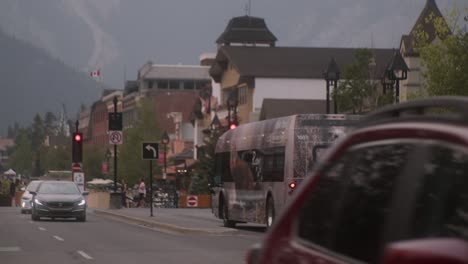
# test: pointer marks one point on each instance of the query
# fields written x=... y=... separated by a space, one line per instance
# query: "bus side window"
x=223 y=170
x=273 y=165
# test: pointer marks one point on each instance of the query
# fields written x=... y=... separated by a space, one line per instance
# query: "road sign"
x=76 y=167
x=115 y=137
x=192 y=201
x=79 y=179
x=150 y=150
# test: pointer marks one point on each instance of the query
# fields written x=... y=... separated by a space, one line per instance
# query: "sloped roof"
x=273 y=108
x=246 y=29
x=192 y=72
x=291 y=62
x=423 y=23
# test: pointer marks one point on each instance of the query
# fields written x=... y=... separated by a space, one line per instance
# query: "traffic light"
x=77 y=147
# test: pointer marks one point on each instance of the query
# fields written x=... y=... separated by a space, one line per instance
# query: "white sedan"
x=27 y=196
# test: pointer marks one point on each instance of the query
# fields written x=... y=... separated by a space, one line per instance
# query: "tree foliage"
x=358 y=91
x=445 y=58
x=31 y=156
x=93 y=157
x=145 y=129
x=22 y=157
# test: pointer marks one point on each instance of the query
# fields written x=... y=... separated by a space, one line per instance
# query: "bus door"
x=247 y=176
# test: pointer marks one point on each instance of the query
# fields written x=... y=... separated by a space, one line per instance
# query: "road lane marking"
x=10 y=249
x=42 y=229
x=84 y=255
x=59 y=238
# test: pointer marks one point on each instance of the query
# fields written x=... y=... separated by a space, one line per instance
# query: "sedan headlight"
x=81 y=203
x=37 y=201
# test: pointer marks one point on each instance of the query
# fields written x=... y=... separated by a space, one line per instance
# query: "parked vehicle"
x=395 y=190
x=259 y=164
x=58 y=199
x=26 y=199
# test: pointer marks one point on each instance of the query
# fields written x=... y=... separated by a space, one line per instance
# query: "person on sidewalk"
x=142 y=193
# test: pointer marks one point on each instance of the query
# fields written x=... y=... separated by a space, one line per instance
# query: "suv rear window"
x=347 y=208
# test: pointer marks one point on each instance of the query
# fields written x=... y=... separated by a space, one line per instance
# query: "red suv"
x=395 y=190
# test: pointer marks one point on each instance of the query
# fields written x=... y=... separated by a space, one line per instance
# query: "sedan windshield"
x=32 y=186
x=58 y=188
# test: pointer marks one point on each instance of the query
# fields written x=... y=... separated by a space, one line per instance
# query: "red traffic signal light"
x=77 y=147
x=232 y=126
x=77 y=137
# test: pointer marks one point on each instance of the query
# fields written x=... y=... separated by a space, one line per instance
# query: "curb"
x=171 y=227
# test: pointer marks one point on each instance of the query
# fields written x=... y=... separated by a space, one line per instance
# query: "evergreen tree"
x=204 y=171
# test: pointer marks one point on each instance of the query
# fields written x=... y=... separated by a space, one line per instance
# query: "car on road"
x=394 y=190
x=26 y=198
x=58 y=199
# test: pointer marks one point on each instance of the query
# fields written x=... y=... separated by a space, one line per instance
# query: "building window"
x=163 y=84
x=201 y=84
x=150 y=84
x=242 y=95
x=174 y=84
x=189 y=85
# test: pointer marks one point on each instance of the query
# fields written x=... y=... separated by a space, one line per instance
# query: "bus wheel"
x=270 y=212
x=226 y=221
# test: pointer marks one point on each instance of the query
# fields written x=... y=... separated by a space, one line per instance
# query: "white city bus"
x=259 y=164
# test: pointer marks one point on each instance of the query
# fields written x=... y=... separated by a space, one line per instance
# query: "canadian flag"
x=96 y=73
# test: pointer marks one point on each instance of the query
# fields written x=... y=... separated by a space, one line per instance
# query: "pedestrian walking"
x=142 y=193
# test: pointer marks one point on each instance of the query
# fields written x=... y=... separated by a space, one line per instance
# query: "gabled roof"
x=273 y=108
x=246 y=29
x=289 y=62
x=423 y=23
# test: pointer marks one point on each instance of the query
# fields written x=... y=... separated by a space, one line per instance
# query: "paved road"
x=102 y=240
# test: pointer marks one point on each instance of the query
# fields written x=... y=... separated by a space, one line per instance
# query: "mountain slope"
x=31 y=81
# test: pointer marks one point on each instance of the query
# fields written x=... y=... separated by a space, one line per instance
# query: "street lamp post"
x=331 y=76
x=397 y=70
x=108 y=155
x=115 y=149
x=165 y=141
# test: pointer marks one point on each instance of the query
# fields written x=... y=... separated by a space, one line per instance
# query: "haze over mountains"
x=31 y=82
x=118 y=36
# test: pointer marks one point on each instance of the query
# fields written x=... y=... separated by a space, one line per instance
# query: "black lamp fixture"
x=397 y=70
x=232 y=103
x=387 y=83
x=331 y=76
x=215 y=123
x=165 y=141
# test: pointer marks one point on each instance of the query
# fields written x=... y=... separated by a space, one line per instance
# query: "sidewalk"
x=181 y=220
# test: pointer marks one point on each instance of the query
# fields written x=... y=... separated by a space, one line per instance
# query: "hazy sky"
x=119 y=36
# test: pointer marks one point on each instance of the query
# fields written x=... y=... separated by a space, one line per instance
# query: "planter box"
x=5 y=201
